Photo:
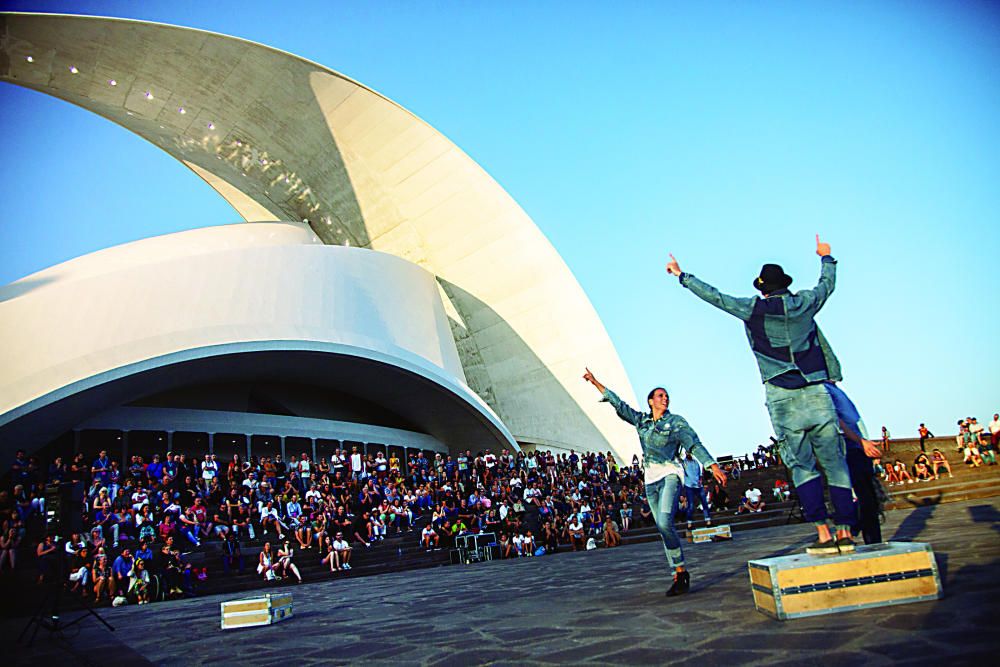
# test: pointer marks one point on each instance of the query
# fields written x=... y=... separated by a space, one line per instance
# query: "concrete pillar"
x=211 y=443
x=170 y=441
x=249 y=438
x=282 y=448
x=313 y=441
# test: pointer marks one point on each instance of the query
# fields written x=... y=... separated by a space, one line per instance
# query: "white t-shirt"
x=340 y=545
x=654 y=472
x=355 y=462
x=753 y=495
x=995 y=426
x=427 y=532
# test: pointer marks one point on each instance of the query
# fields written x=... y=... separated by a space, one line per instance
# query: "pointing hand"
x=673 y=268
x=822 y=249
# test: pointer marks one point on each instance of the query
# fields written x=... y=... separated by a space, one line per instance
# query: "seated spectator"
x=79 y=570
x=612 y=538
x=902 y=474
x=285 y=555
x=506 y=547
x=753 y=501
x=139 y=579
x=781 y=490
x=9 y=542
x=120 y=569
x=100 y=574
x=922 y=468
x=429 y=538
x=938 y=461
x=266 y=567
x=342 y=550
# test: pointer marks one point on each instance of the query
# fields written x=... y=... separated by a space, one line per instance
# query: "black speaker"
x=60 y=517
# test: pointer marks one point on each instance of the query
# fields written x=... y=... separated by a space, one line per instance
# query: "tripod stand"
x=48 y=615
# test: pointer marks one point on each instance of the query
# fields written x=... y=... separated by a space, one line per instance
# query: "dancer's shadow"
x=914 y=524
x=986 y=514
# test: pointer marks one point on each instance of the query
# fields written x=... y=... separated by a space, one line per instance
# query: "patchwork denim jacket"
x=781 y=327
x=663 y=438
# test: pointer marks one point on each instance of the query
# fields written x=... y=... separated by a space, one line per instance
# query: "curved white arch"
x=281 y=137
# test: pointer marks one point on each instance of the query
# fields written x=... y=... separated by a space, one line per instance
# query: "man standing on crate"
x=795 y=363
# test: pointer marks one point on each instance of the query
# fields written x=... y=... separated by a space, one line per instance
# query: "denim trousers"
x=806 y=424
x=662 y=498
x=694 y=495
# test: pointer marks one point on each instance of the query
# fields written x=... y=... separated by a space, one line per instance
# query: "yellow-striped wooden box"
x=709 y=533
x=874 y=575
x=250 y=612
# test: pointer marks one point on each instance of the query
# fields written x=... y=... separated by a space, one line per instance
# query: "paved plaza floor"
x=604 y=606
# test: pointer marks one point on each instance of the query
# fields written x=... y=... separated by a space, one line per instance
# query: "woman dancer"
x=662 y=435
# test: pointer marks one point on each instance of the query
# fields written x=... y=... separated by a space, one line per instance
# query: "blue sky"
x=726 y=133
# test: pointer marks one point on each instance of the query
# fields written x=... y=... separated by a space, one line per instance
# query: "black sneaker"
x=845 y=545
x=682 y=584
x=825 y=548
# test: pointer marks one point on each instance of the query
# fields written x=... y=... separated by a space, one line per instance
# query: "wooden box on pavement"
x=709 y=533
x=873 y=576
x=261 y=610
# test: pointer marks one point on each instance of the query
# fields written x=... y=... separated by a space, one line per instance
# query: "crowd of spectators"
x=137 y=524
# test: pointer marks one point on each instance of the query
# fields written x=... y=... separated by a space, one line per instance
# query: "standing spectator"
x=694 y=490
x=46 y=554
x=885 y=440
x=209 y=469
x=924 y=433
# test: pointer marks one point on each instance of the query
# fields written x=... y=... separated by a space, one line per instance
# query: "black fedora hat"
x=772 y=278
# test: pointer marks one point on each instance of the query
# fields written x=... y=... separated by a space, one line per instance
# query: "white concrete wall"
x=241 y=283
x=283 y=138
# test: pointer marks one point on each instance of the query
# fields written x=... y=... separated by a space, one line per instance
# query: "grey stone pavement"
x=604 y=606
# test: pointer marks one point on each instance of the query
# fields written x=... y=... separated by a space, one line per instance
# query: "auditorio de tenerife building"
x=382 y=291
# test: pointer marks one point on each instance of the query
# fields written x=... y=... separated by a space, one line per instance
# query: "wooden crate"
x=262 y=610
x=874 y=575
x=709 y=533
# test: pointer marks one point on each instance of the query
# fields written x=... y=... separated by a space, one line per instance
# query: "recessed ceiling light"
x=149 y=95
x=112 y=82
x=30 y=59
x=73 y=69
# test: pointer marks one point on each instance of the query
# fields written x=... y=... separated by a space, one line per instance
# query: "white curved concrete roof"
x=130 y=321
x=282 y=138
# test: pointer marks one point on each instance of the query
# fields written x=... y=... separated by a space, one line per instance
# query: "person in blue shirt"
x=694 y=490
x=795 y=362
x=662 y=435
x=860 y=452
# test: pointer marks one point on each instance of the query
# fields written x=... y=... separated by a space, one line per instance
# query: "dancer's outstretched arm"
x=739 y=306
x=624 y=410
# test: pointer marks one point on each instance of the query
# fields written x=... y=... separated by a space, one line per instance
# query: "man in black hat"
x=795 y=362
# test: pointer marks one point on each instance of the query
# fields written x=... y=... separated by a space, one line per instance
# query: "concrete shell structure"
x=281 y=138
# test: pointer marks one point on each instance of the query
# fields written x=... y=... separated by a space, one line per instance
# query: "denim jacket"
x=781 y=327
x=663 y=438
